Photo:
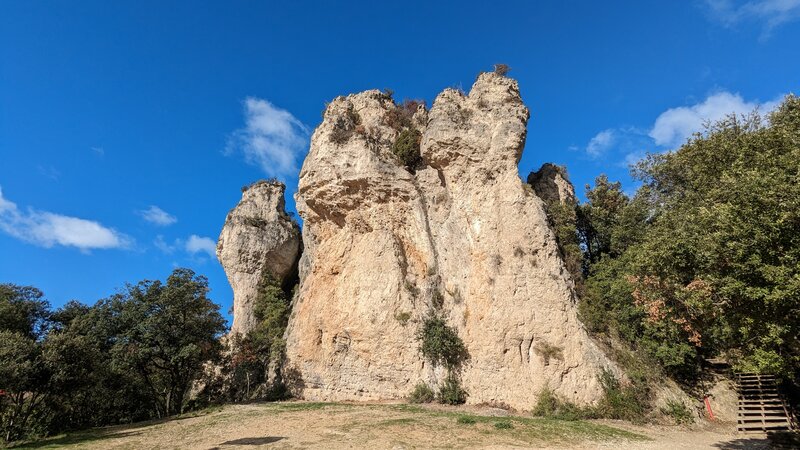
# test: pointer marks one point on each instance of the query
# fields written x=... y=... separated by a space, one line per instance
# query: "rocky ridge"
x=457 y=235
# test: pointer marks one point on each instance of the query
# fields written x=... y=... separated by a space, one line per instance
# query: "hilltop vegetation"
x=704 y=260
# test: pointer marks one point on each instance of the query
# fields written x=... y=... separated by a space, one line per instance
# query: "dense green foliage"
x=451 y=392
x=422 y=393
x=254 y=364
x=705 y=259
x=564 y=219
x=406 y=147
x=626 y=402
x=440 y=343
x=131 y=357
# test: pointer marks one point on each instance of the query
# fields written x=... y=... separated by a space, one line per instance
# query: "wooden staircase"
x=761 y=408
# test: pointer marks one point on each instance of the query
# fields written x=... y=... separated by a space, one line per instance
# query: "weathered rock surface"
x=383 y=247
x=258 y=238
x=551 y=184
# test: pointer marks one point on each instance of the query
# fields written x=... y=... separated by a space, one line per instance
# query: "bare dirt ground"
x=293 y=425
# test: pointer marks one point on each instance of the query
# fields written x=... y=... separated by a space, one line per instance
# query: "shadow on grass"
x=81 y=437
x=254 y=441
x=110 y=432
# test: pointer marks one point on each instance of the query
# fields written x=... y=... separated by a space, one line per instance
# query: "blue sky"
x=128 y=128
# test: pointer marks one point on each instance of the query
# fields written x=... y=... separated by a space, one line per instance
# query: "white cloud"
x=47 y=229
x=164 y=246
x=601 y=143
x=196 y=244
x=272 y=138
x=770 y=13
x=157 y=216
x=675 y=125
x=99 y=151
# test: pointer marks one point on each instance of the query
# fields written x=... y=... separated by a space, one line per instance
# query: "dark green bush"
x=450 y=392
x=466 y=420
x=679 y=412
x=550 y=405
x=629 y=402
x=406 y=147
x=422 y=393
x=503 y=425
x=441 y=344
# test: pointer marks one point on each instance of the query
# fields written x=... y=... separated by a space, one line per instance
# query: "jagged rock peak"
x=458 y=235
x=552 y=184
x=258 y=239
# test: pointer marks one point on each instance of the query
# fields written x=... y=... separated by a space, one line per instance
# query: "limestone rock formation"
x=551 y=184
x=258 y=239
x=460 y=236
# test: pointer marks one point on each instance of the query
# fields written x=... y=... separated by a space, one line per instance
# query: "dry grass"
x=337 y=425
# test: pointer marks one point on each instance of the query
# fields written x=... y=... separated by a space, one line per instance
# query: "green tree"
x=23 y=381
x=706 y=258
x=168 y=331
x=598 y=217
x=23 y=310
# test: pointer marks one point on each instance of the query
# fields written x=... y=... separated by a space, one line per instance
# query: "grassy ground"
x=336 y=425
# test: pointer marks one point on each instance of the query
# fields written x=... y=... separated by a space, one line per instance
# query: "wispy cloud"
x=197 y=244
x=164 y=246
x=672 y=127
x=157 y=216
x=601 y=143
x=48 y=229
x=675 y=125
x=272 y=138
x=99 y=151
x=49 y=172
x=769 y=13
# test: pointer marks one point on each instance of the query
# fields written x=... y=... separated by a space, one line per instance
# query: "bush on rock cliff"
x=440 y=344
x=406 y=147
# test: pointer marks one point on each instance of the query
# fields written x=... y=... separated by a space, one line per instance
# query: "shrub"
x=679 y=412
x=450 y=392
x=548 y=351
x=403 y=317
x=466 y=420
x=503 y=425
x=501 y=69
x=550 y=405
x=406 y=147
x=441 y=344
x=422 y=393
x=629 y=402
x=345 y=126
x=437 y=300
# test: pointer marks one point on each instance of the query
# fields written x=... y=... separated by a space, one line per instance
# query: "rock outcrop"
x=258 y=239
x=459 y=236
x=551 y=184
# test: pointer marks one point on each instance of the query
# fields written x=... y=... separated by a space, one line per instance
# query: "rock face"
x=461 y=237
x=258 y=238
x=551 y=184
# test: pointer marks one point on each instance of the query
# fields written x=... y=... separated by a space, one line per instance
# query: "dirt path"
x=338 y=426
